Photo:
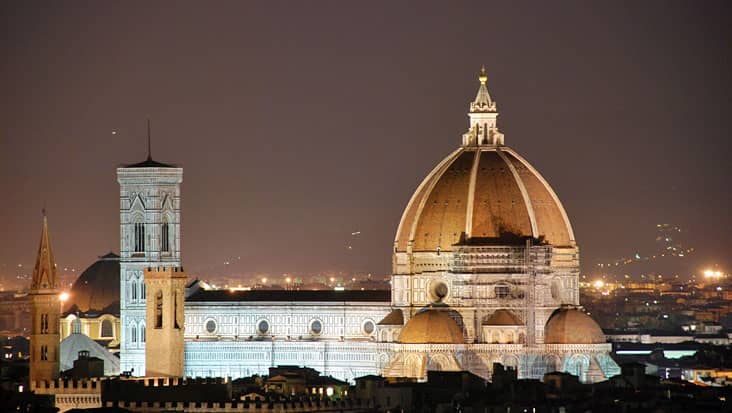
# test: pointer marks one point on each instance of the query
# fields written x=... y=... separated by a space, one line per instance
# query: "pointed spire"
x=482 y=102
x=44 y=273
x=149 y=145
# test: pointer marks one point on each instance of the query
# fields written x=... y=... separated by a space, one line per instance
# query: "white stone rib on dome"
x=437 y=170
x=548 y=188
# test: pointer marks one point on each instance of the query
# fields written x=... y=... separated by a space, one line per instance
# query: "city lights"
x=713 y=273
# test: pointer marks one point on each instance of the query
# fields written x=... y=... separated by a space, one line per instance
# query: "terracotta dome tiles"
x=507 y=194
x=498 y=206
x=442 y=220
x=431 y=327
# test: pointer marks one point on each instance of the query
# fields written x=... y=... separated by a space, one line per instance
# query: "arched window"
x=142 y=332
x=133 y=333
x=44 y=323
x=413 y=366
x=143 y=291
x=133 y=288
x=164 y=238
x=44 y=352
x=553 y=363
x=76 y=326
x=107 y=329
x=175 y=311
x=139 y=237
x=159 y=309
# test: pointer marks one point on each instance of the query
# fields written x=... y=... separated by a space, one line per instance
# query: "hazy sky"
x=298 y=123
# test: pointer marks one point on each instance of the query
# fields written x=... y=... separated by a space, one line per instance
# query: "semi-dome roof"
x=503 y=318
x=431 y=327
x=97 y=288
x=73 y=344
x=571 y=326
x=482 y=191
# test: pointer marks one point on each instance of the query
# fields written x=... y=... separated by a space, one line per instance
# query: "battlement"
x=67 y=386
x=175 y=381
x=165 y=272
x=85 y=385
x=241 y=406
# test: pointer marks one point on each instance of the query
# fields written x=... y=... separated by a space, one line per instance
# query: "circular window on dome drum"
x=316 y=327
x=210 y=326
x=438 y=291
x=368 y=327
x=262 y=327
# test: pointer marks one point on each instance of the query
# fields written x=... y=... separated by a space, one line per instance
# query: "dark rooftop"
x=149 y=163
x=291 y=296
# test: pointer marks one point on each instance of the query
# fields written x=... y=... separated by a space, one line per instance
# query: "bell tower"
x=45 y=313
x=165 y=321
x=149 y=228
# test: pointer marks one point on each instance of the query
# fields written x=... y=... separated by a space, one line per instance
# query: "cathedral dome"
x=431 y=327
x=571 y=326
x=97 y=288
x=482 y=192
x=485 y=193
x=503 y=318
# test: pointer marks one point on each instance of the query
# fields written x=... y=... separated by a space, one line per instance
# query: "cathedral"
x=485 y=270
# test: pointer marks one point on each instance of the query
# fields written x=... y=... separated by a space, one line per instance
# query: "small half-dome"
x=503 y=318
x=431 y=327
x=394 y=318
x=571 y=326
x=97 y=288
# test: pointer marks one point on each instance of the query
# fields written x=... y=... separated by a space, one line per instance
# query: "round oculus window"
x=263 y=327
x=438 y=291
x=210 y=326
x=368 y=327
x=316 y=327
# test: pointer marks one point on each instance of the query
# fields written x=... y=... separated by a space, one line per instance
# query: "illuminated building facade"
x=485 y=269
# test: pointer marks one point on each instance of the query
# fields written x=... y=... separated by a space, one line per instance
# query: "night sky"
x=298 y=123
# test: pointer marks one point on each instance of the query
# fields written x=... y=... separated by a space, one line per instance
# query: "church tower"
x=149 y=238
x=45 y=313
x=165 y=288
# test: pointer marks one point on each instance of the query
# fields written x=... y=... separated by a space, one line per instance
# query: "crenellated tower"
x=45 y=313
x=165 y=321
x=149 y=238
